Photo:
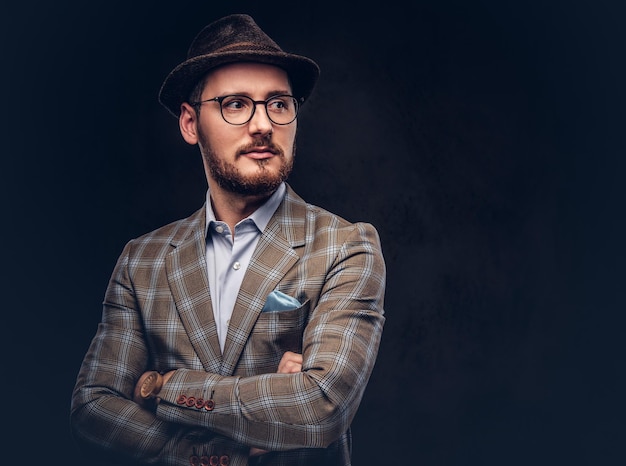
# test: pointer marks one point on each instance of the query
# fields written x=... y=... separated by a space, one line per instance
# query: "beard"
x=229 y=178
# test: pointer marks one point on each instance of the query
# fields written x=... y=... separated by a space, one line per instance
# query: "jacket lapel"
x=276 y=253
x=187 y=276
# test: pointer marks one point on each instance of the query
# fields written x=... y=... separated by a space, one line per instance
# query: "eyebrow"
x=267 y=94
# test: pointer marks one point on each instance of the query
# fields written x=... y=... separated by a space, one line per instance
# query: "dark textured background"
x=485 y=140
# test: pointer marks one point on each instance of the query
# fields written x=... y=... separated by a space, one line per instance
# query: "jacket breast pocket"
x=275 y=333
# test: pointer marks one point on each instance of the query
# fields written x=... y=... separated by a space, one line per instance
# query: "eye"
x=235 y=103
x=280 y=104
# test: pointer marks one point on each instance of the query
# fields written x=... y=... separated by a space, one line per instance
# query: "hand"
x=290 y=363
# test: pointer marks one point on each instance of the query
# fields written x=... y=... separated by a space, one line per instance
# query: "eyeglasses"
x=239 y=109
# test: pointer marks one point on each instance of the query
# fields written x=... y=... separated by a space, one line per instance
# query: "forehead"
x=247 y=78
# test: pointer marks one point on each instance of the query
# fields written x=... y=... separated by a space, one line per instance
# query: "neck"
x=231 y=208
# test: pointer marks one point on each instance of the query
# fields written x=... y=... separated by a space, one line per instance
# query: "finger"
x=290 y=363
x=257 y=451
x=290 y=357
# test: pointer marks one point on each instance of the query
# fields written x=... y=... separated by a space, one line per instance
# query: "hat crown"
x=229 y=34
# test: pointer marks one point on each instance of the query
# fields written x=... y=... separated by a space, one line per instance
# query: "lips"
x=259 y=153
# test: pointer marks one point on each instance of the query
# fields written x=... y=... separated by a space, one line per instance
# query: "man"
x=246 y=333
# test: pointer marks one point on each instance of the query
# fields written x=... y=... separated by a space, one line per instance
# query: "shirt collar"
x=261 y=217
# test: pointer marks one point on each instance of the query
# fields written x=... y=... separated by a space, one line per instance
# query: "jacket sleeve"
x=315 y=406
x=105 y=421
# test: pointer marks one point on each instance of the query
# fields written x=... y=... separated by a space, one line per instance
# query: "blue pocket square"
x=278 y=301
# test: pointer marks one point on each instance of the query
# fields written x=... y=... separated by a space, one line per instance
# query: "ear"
x=188 y=123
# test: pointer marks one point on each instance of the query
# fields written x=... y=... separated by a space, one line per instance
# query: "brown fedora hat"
x=234 y=38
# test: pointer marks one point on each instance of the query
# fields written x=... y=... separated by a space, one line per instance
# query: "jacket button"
x=191 y=401
x=199 y=403
x=181 y=399
x=194 y=460
x=224 y=460
x=209 y=405
x=204 y=460
x=214 y=461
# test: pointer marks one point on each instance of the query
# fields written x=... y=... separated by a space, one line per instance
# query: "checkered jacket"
x=157 y=315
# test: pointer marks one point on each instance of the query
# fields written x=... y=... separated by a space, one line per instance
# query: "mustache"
x=261 y=142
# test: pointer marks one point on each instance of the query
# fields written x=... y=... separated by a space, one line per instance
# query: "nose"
x=260 y=122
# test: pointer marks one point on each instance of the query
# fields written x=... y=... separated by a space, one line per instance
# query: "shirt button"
x=219 y=229
x=236 y=266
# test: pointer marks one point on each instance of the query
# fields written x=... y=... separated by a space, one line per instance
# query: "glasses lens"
x=282 y=109
x=237 y=109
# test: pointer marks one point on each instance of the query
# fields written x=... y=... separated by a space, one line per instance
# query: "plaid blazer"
x=157 y=315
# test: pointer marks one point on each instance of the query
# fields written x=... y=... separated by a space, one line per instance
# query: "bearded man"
x=246 y=333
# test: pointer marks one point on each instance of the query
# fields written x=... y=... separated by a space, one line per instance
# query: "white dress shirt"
x=228 y=256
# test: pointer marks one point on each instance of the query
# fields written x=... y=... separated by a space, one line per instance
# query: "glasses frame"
x=220 y=99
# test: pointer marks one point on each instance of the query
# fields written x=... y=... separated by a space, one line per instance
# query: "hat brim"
x=302 y=71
